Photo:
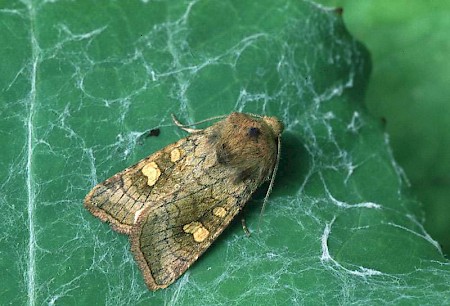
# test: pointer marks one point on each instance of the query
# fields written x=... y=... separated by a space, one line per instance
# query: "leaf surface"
x=84 y=80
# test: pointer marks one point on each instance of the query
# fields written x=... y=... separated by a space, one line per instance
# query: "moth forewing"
x=118 y=199
x=176 y=202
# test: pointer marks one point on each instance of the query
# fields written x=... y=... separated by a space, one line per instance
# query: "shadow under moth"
x=174 y=203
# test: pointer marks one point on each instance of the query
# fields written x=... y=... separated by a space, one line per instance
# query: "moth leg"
x=245 y=228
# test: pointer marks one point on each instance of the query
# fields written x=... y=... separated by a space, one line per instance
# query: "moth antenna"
x=272 y=180
x=184 y=126
x=192 y=130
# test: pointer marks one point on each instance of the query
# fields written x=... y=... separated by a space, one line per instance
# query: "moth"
x=174 y=203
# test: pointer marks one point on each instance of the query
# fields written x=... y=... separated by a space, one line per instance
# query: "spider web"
x=339 y=226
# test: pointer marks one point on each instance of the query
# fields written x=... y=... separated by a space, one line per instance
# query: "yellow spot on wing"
x=175 y=155
x=219 y=211
x=152 y=172
x=197 y=229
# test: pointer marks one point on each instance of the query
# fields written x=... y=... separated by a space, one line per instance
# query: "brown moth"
x=176 y=202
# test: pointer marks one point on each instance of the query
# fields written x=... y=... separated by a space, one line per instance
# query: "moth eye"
x=254 y=132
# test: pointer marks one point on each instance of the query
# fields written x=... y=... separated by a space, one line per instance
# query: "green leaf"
x=83 y=80
x=409 y=88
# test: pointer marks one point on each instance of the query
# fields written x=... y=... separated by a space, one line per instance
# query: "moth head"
x=254 y=125
x=275 y=125
x=249 y=143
